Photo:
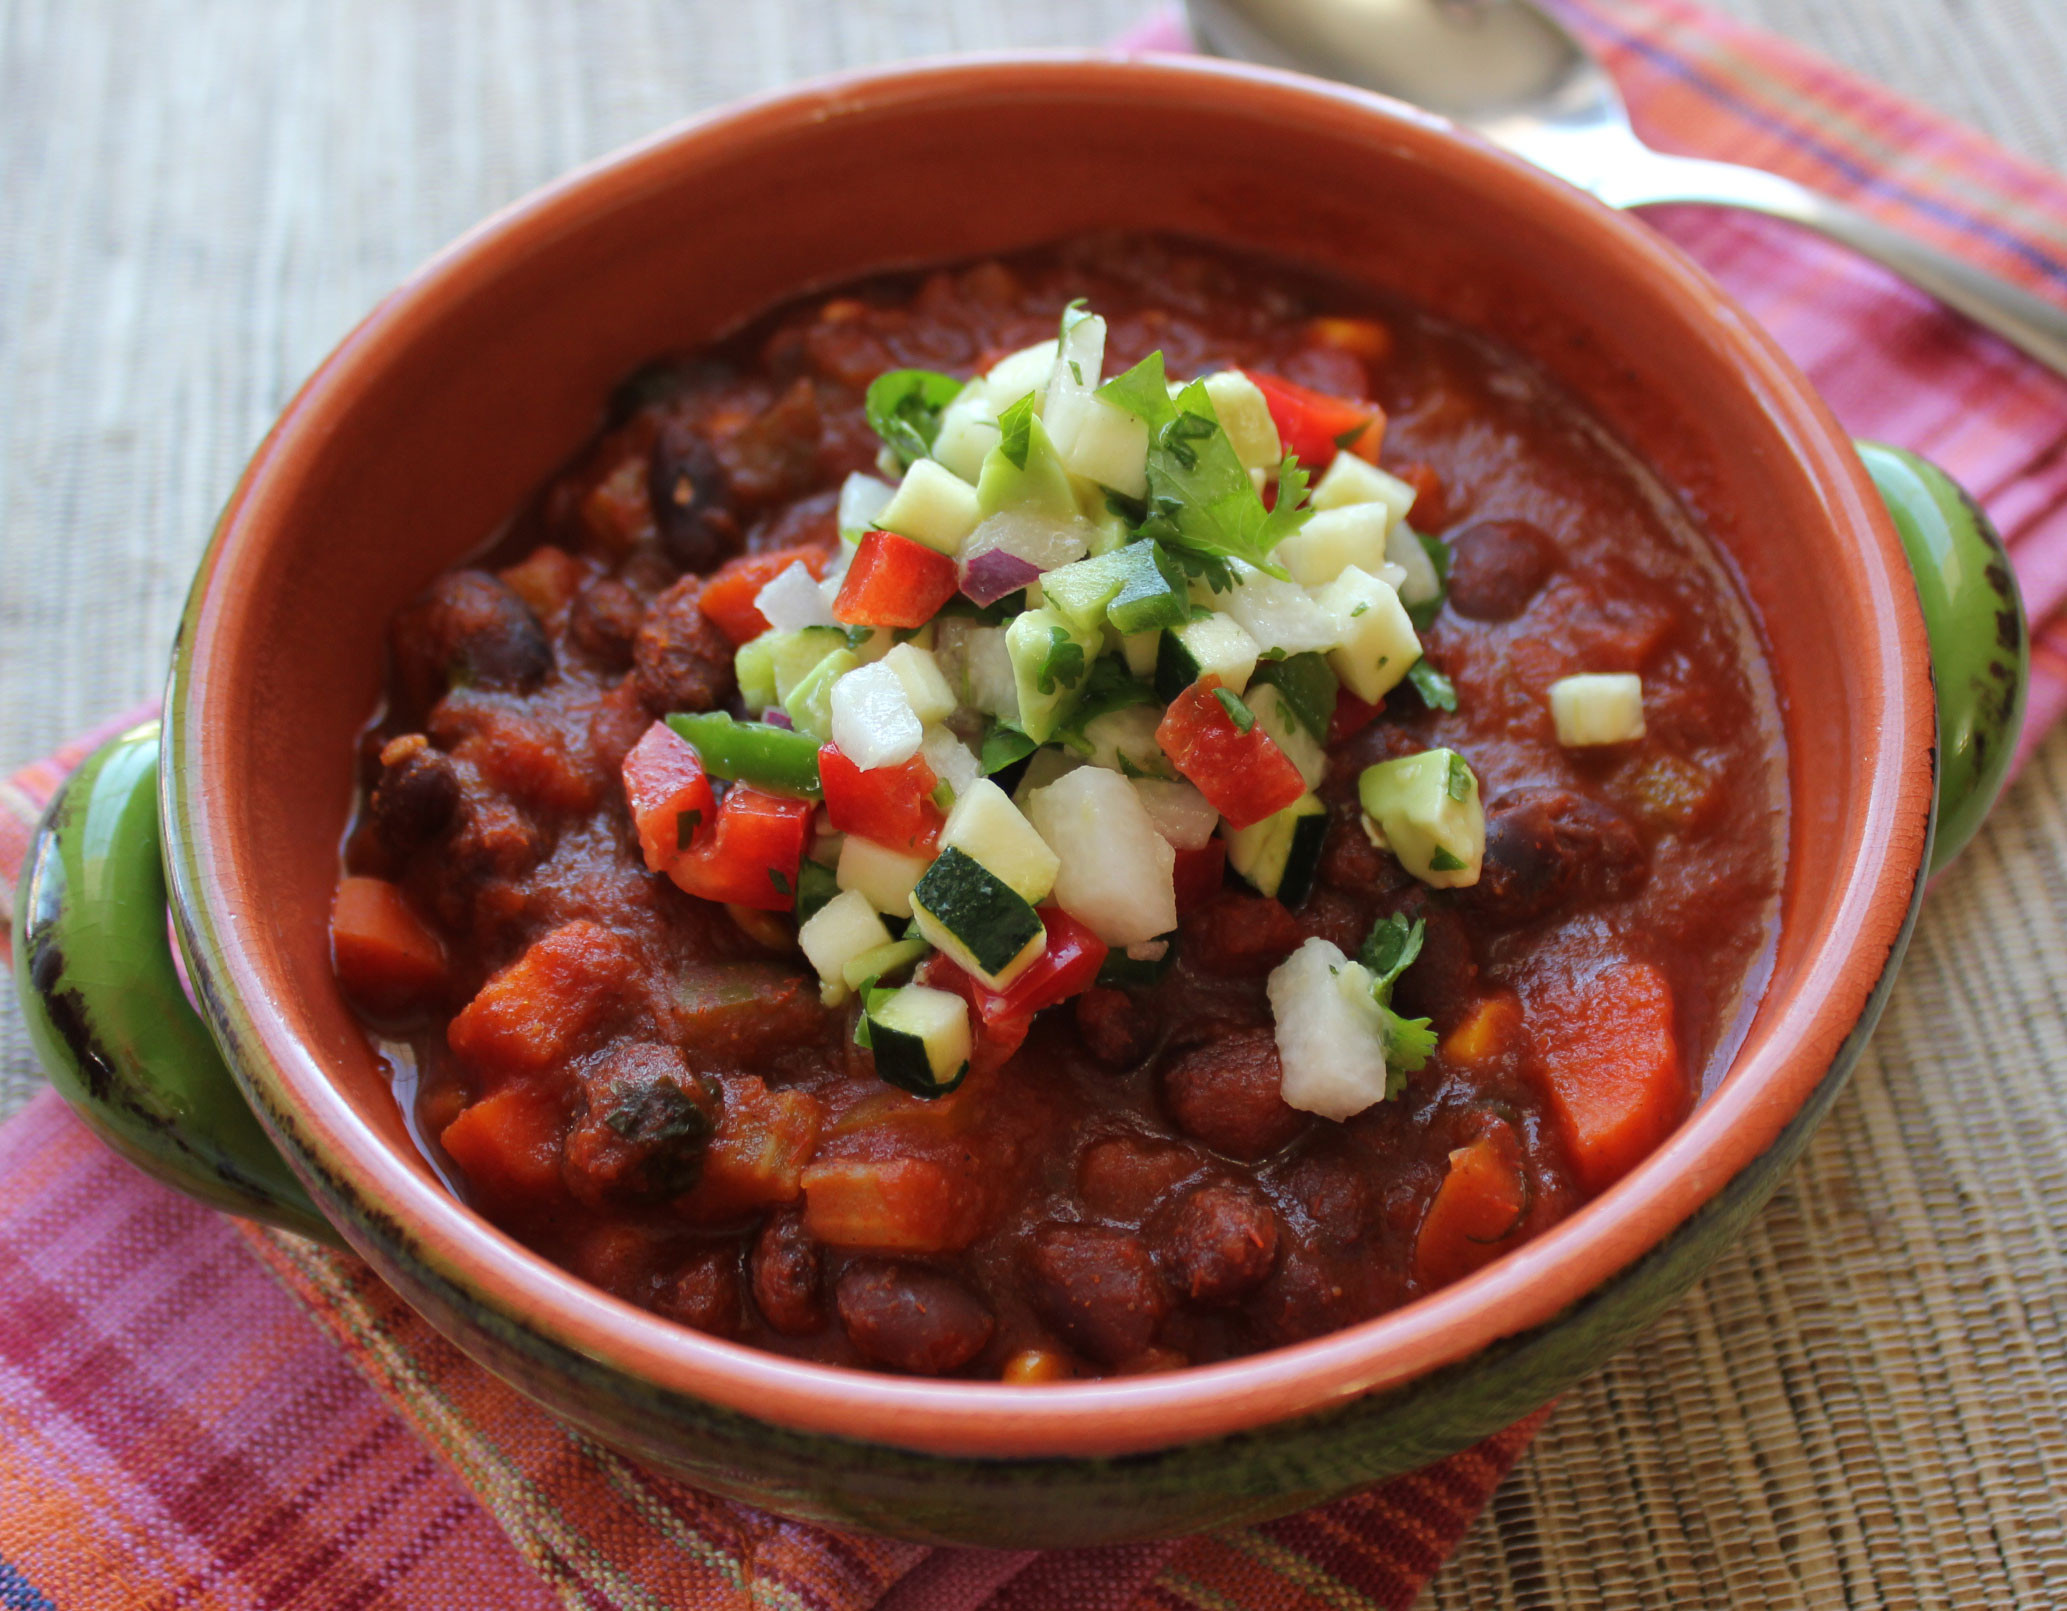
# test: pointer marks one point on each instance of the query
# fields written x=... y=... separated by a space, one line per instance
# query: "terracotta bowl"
x=435 y=418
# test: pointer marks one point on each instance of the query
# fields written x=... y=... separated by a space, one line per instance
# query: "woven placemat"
x=1864 y=1404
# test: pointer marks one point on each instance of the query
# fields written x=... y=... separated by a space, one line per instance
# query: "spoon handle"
x=2030 y=323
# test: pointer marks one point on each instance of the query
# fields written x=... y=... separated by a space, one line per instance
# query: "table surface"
x=1864 y=1404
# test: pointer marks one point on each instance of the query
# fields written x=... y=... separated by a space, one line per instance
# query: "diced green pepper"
x=752 y=752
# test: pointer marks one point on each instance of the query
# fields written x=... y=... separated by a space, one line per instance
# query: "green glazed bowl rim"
x=412 y=1219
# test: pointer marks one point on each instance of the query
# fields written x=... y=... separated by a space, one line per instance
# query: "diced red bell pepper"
x=727 y=599
x=1067 y=967
x=1243 y=775
x=1199 y=874
x=1314 y=425
x=673 y=805
x=752 y=855
x=893 y=805
x=1430 y=510
x=894 y=582
x=1352 y=715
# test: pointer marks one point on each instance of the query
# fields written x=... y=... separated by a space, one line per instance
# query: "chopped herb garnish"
x=1076 y=372
x=1444 y=862
x=1004 y=745
x=1359 y=610
x=1064 y=662
x=1015 y=426
x=1459 y=784
x=781 y=883
x=904 y=408
x=1237 y=712
x=1436 y=690
x=1388 y=951
x=1390 y=948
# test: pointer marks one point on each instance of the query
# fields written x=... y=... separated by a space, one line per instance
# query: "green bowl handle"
x=104 y=1007
x=1980 y=644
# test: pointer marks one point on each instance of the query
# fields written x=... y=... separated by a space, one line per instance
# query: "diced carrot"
x=1368 y=339
x=537 y=1011
x=509 y=1144
x=757 y=1155
x=1476 y=1208
x=894 y=1205
x=1492 y=1029
x=1611 y=1066
x=1031 y=1366
x=546 y=579
x=385 y=958
x=728 y=597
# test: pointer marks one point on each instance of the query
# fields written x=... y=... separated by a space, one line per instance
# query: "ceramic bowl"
x=436 y=417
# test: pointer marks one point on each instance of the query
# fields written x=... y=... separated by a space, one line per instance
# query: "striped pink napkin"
x=183 y=1431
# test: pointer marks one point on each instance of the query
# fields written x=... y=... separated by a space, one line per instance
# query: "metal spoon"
x=1514 y=73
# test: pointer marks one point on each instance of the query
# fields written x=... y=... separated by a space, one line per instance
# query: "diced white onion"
x=873 y=722
x=794 y=600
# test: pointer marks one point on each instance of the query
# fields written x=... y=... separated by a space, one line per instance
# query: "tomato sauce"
x=644 y=1086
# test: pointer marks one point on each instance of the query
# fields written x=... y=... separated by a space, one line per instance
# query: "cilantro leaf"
x=1004 y=745
x=1436 y=690
x=1110 y=687
x=1445 y=861
x=1409 y=1042
x=1016 y=427
x=1064 y=661
x=1460 y=781
x=1237 y=712
x=1390 y=949
x=904 y=407
x=1142 y=391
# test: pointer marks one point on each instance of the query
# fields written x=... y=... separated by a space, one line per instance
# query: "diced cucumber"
x=887 y=877
x=1309 y=686
x=769 y=666
x=1137 y=588
x=1274 y=714
x=1180 y=813
x=933 y=506
x=1330 y=1032
x=1214 y=645
x=872 y=719
x=988 y=827
x=1124 y=741
x=882 y=962
x=810 y=704
x=844 y=928
x=1318 y=551
x=1040 y=486
x=1598 y=707
x=862 y=498
x=976 y=919
x=1026 y=370
x=1378 y=640
x=1427 y=810
x=968 y=430
x=1245 y=416
x=1281 y=855
x=1116 y=870
x=1051 y=658
x=1139 y=650
x=1110 y=448
x=925 y=689
x=920 y=1038
x=1351 y=480
x=1277 y=614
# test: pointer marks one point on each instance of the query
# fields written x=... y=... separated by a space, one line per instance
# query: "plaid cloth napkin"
x=185 y=1431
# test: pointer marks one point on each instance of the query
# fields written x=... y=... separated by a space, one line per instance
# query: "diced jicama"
x=968 y=430
x=838 y=932
x=932 y=505
x=1330 y=1032
x=1598 y=707
x=973 y=658
x=1278 y=615
x=1072 y=380
x=924 y=687
x=1180 y=813
x=1377 y=645
x=862 y=498
x=1417 y=582
x=1026 y=370
x=952 y=761
x=1244 y=415
x=1125 y=741
x=987 y=827
x=794 y=600
x=1351 y=480
x=1115 y=875
x=872 y=718
x=1111 y=448
x=1332 y=540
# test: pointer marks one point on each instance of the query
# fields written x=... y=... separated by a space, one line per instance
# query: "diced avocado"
x=1051 y=658
x=1378 y=643
x=920 y=1038
x=1210 y=646
x=1274 y=714
x=810 y=703
x=933 y=506
x=844 y=928
x=976 y=919
x=1309 y=687
x=1109 y=529
x=882 y=961
x=1427 y=809
x=1281 y=855
x=988 y=827
x=1600 y=707
x=1138 y=588
x=1041 y=485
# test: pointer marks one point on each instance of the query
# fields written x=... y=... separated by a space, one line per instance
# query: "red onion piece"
x=776 y=716
x=994 y=573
